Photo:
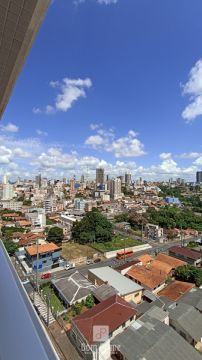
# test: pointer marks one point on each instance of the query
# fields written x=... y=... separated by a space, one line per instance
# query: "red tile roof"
x=191 y=254
x=176 y=290
x=112 y=312
x=146 y=276
x=170 y=260
x=42 y=249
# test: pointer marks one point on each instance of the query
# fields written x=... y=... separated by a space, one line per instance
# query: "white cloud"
x=9 y=128
x=193 y=87
x=127 y=146
x=41 y=133
x=5 y=155
x=191 y=155
x=107 y=2
x=165 y=156
x=69 y=91
x=36 y=110
x=94 y=141
x=18 y=152
x=101 y=2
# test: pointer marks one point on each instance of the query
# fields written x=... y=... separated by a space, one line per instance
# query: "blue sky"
x=109 y=83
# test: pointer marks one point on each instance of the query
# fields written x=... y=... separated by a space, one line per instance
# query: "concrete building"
x=127 y=179
x=19 y=23
x=115 y=189
x=50 y=204
x=199 y=177
x=48 y=256
x=79 y=204
x=100 y=176
x=126 y=288
x=8 y=192
x=154 y=232
x=11 y=205
x=37 y=217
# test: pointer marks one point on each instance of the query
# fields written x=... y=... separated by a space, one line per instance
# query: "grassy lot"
x=54 y=300
x=71 y=251
x=117 y=243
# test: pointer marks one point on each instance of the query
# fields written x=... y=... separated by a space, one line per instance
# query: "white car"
x=69 y=266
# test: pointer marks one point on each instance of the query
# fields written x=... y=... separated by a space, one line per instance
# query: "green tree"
x=55 y=235
x=90 y=301
x=189 y=273
x=94 y=227
x=10 y=246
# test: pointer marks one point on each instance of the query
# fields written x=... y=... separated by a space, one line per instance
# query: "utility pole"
x=37 y=264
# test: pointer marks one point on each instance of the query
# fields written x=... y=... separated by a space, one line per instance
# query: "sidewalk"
x=63 y=342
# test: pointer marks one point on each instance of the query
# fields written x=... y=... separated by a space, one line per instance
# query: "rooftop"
x=73 y=288
x=194 y=298
x=112 y=312
x=145 y=258
x=148 y=277
x=119 y=282
x=42 y=249
x=170 y=260
x=188 y=253
x=176 y=290
x=104 y=292
x=189 y=319
x=153 y=341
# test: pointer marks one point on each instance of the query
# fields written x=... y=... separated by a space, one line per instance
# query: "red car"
x=46 y=275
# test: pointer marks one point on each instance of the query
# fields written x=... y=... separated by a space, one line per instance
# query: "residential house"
x=173 y=262
x=125 y=288
x=48 y=256
x=152 y=340
x=94 y=330
x=194 y=298
x=188 y=255
x=73 y=288
x=175 y=290
x=187 y=321
x=150 y=278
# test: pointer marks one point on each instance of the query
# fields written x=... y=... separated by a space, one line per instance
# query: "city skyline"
x=128 y=103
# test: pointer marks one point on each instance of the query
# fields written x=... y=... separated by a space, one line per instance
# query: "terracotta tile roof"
x=148 y=277
x=112 y=312
x=145 y=259
x=176 y=290
x=170 y=260
x=161 y=266
x=32 y=250
x=191 y=254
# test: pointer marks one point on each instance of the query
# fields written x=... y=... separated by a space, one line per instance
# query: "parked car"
x=89 y=262
x=25 y=281
x=97 y=260
x=69 y=266
x=46 y=275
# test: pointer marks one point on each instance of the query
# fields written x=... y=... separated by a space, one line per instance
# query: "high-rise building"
x=115 y=189
x=7 y=191
x=199 y=177
x=100 y=176
x=38 y=180
x=5 y=180
x=127 y=179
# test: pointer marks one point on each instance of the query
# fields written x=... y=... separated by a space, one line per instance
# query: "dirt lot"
x=72 y=251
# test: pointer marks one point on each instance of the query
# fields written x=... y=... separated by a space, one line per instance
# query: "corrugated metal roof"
x=122 y=284
x=189 y=319
x=22 y=335
x=154 y=341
